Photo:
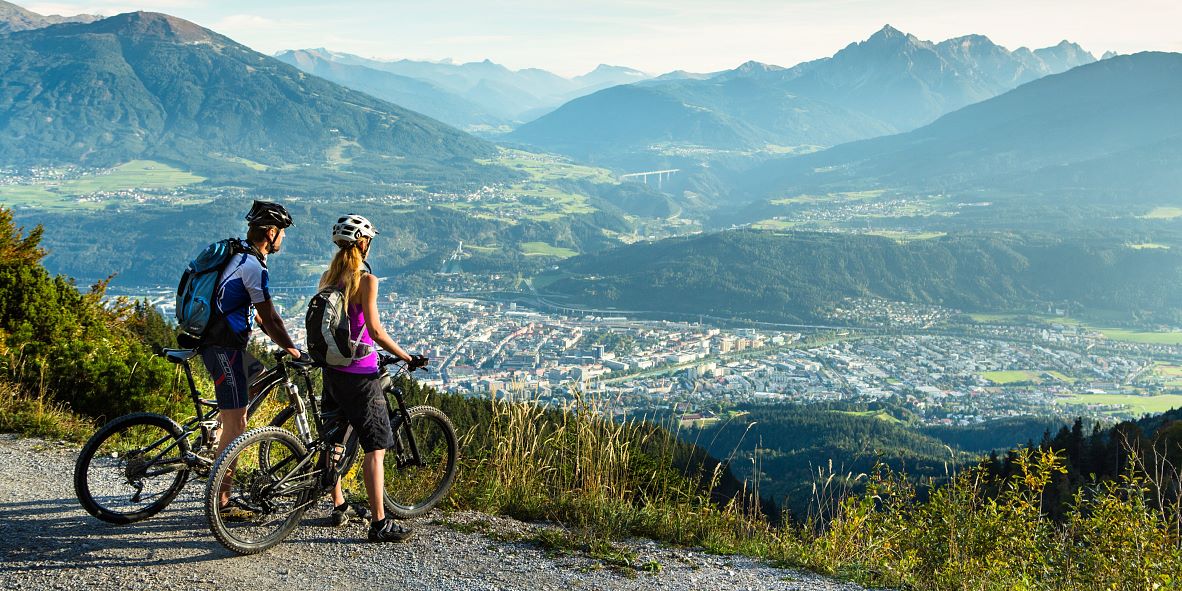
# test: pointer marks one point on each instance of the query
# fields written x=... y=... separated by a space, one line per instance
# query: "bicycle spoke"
x=415 y=482
x=264 y=477
x=127 y=475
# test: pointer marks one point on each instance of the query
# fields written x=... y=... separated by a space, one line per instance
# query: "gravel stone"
x=47 y=541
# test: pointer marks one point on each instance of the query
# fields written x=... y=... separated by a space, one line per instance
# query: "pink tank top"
x=358 y=332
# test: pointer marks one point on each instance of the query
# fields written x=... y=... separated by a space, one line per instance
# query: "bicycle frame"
x=205 y=410
x=319 y=445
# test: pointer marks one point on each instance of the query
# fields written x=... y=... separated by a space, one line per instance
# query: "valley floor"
x=48 y=542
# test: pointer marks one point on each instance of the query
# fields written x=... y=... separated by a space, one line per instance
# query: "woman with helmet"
x=355 y=390
x=243 y=295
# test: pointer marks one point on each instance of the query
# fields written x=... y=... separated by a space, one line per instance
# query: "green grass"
x=482 y=249
x=1135 y=405
x=543 y=249
x=1167 y=370
x=251 y=164
x=137 y=174
x=1062 y=377
x=1116 y=334
x=544 y=167
x=39 y=416
x=828 y=197
x=903 y=237
x=1163 y=213
x=1144 y=337
x=878 y=414
x=775 y=225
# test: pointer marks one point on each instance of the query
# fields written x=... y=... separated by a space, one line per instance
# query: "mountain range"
x=889 y=83
x=474 y=95
x=16 y=18
x=1110 y=129
x=148 y=85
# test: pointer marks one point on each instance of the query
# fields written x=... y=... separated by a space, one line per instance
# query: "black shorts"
x=359 y=398
x=232 y=371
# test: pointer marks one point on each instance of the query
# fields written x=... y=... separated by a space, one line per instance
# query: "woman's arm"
x=369 y=305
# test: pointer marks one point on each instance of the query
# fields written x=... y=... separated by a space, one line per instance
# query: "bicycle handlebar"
x=416 y=362
x=304 y=360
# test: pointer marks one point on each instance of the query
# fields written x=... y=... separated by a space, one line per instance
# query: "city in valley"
x=948 y=368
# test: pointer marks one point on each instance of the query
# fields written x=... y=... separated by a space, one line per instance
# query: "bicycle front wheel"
x=131 y=468
x=422 y=465
x=267 y=478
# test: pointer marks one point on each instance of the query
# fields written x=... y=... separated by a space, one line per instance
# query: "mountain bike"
x=278 y=474
x=136 y=464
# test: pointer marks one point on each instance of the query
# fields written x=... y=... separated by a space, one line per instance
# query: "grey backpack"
x=327 y=323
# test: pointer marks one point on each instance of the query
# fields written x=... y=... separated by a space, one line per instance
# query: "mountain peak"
x=970 y=40
x=890 y=37
x=608 y=68
x=15 y=18
x=888 y=31
x=153 y=24
x=753 y=67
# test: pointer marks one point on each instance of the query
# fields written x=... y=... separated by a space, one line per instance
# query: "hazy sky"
x=572 y=36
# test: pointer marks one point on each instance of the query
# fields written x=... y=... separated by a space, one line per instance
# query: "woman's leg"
x=375 y=478
x=338 y=497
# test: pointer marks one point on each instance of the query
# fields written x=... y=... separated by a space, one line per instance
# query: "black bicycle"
x=277 y=475
x=136 y=464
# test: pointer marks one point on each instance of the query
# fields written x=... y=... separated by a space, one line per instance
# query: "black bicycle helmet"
x=268 y=213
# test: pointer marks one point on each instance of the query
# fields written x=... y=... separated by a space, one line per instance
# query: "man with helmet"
x=355 y=390
x=243 y=295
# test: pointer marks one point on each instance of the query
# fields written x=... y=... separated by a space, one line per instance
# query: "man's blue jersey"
x=242 y=284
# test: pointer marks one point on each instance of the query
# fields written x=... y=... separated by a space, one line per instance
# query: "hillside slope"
x=800 y=275
x=418 y=95
x=1110 y=128
x=147 y=85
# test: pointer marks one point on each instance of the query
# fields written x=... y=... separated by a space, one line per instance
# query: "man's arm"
x=273 y=327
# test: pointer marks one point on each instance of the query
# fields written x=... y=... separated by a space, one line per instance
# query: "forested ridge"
x=796 y=276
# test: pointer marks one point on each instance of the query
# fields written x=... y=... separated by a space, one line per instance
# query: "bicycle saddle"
x=179 y=355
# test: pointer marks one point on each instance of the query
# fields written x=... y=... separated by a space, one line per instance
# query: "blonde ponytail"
x=345 y=269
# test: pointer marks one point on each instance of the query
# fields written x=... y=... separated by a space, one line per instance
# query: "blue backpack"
x=195 y=293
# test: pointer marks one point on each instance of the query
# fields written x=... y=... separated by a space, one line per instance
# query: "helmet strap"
x=271 y=241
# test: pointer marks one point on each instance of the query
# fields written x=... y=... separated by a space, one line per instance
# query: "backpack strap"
x=242 y=246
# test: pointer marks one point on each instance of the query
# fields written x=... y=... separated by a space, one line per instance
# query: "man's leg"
x=233 y=425
x=227 y=368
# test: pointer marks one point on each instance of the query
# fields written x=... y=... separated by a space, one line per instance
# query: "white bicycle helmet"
x=350 y=228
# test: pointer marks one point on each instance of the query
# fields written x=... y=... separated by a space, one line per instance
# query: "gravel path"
x=47 y=541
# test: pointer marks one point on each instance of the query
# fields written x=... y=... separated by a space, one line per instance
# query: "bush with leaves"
x=58 y=341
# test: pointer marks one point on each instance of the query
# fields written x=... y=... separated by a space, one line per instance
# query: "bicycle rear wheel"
x=131 y=468
x=415 y=486
x=269 y=478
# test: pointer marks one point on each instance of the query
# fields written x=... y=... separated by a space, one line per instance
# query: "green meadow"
x=828 y=197
x=544 y=249
x=902 y=236
x=1145 y=337
x=137 y=174
x=1135 y=405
